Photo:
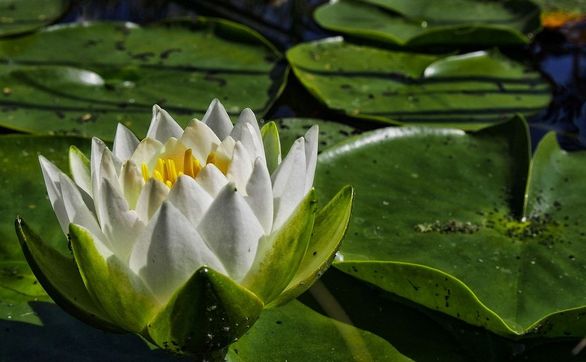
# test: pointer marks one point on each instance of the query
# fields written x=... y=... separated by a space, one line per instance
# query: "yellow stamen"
x=169 y=169
x=145 y=172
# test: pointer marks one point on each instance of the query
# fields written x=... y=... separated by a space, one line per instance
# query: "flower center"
x=168 y=169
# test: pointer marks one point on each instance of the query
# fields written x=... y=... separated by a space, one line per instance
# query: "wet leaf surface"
x=423 y=23
x=21 y=16
x=83 y=79
x=466 y=91
x=441 y=218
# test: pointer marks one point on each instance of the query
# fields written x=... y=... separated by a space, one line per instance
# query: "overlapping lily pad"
x=84 y=78
x=418 y=23
x=20 y=16
x=467 y=91
x=465 y=224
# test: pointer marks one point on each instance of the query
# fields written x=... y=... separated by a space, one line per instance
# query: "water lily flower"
x=185 y=236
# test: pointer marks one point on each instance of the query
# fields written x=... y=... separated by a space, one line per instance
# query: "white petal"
x=211 y=179
x=190 y=198
x=218 y=120
x=201 y=139
x=51 y=174
x=120 y=225
x=163 y=126
x=311 y=137
x=260 y=194
x=289 y=183
x=246 y=130
x=147 y=152
x=169 y=252
x=80 y=169
x=151 y=197
x=131 y=182
x=240 y=167
x=98 y=147
x=125 y=143
x=75 y=207
x=231 y=231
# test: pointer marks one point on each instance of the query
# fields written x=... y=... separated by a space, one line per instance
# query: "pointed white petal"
x=163 y=126
x=151 y=197
x=311 y=137
x=201 y=139
x=289 y=183
x=260 y=194
x=98 y=147
x=246 y=130
x=190 y=198
x=120 y=225
x=80 y=169
x=169 y=252
x=131 y=182
x=51 y=174
x=75 y=207
x=211 y=179
x=240 y=167
x=125 y=143
x=231 y=231
x=218 y=120
x=147 y=152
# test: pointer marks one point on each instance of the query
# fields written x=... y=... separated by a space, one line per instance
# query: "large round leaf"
x=19 y=16
x=424 y=22
x=467 y=90
x=456 y=221
x=85 y=78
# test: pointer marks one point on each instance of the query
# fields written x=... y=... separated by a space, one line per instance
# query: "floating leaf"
x=280 y=332
x=85 y=78
x=467 y=91
x=21 y=16
x=330 y=132
x=419 y=23
x=464 y=224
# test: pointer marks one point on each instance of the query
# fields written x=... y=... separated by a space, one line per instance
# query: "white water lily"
x=208 y=213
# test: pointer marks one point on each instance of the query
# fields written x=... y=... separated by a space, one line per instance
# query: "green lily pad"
x=21 y=16
x=419 y=23
x=465 y=224
x=294 y=332
x=566 y=6
x=330 y=132
x=467 y=91
x=83 y=79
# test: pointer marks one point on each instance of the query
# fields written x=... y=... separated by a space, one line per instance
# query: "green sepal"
x=279 y=255
x=120 y=293
x=272 y=145
x=330 y=226
x=208 y=313
x=60 y=278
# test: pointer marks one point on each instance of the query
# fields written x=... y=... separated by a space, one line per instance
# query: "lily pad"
x=330 y=132
x=419 y=23
x=21 y=16
x=279 y=333
x=467 y=91
x=83 y=79
x=465 y=224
